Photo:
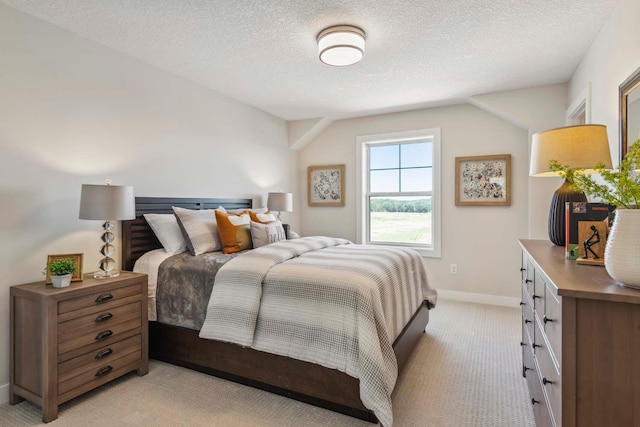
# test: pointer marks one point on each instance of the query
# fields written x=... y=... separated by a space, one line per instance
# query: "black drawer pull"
x=546 y=319
x=536 y=296
x=104 y=316
x=524 y=370
x=533 y=401
x=536 y=345
x=527 y=321
x=545 y=381
x=522 y=344
x=103 y=353
x=523 y=269
x=522 y=303
x=104 y=297
x=104 y=371
x=528 y=281
x=104 y=334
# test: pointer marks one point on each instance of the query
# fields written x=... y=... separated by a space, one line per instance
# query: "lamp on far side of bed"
x=281 y=202
x=107 y=203
x=579 y=147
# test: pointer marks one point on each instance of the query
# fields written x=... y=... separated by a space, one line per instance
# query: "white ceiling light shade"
x=341 y=45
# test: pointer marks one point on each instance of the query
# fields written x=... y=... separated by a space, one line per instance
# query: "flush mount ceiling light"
x=341 y=45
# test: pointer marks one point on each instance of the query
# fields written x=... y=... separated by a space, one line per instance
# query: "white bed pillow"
x=239 y=211
x=167 y=230
x=199 y=228
x=263 y=234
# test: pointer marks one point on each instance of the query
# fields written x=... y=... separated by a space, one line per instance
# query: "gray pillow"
x=263 y=234
x=199 y=228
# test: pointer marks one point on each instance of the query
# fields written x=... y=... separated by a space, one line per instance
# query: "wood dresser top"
x=88 y=284
x=577 y=281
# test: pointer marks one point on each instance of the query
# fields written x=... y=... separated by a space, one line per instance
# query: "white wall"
x=482 y=241
x=612 y=57
x=74 y=112
x=534 y=109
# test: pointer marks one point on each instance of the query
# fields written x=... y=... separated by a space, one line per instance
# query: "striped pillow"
x=199 y=229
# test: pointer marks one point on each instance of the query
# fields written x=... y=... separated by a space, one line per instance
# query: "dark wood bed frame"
x=303 y=381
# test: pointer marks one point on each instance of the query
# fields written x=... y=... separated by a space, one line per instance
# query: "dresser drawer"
x=102 y=373
x=109 y=334
x=98 y=358
x=95 y=300
x=549 y=375
x=528 y=317
x=528 y=276
x=96 y=322
x=539 y=285
x=552 y=322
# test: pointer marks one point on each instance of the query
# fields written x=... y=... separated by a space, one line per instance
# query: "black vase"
x=557 y=225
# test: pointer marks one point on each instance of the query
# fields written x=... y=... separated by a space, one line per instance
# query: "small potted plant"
x=61 y=271
x=621 y=188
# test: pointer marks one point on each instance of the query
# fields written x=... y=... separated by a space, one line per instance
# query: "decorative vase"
x=61 y=281
x=622 y=253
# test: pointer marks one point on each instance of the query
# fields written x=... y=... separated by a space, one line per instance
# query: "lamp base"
x=557 y=226
x=106 y=274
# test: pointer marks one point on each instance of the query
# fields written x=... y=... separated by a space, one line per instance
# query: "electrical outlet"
x=453 y=269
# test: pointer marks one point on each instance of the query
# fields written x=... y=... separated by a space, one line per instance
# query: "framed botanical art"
x=325 y=185
x=77 y=275
x=483 y=180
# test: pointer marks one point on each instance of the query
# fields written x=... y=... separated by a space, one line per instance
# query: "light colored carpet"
x=464 y=372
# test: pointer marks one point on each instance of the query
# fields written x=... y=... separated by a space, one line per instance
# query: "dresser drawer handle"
x=104 y=334
x=546 y=319
x=536 y=296
x=522 y=344
x=528 y=281
x=104 y=371
x=545 y=381
x=104 y=316
x=536 y=345
x=527 y=321
x=524 y=370
x=523 y=269
x=523 y=303
x=104 y=297
x=533 y=401
x=103 y=353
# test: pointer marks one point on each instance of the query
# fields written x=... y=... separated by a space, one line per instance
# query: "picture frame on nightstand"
x=77 y=275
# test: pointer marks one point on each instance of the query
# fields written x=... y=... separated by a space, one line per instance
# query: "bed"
x=300 y=380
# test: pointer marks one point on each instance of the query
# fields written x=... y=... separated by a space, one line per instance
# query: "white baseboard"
x=479 y=298
x=4 y=393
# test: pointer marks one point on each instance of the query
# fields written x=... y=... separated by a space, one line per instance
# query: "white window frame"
x=362 y=186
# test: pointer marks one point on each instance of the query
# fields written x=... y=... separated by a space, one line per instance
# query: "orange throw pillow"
x=264 y=218
x=235 y=231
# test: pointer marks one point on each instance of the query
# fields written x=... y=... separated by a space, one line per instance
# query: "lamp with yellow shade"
x=578 y=147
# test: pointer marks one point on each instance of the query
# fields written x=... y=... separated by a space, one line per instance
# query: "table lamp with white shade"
x=281 y=202
x=107 y=203
x=578 y=147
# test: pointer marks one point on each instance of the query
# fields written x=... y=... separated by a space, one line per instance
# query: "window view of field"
x=400 y=220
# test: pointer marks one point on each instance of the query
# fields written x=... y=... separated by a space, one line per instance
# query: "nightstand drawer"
x=102 y=373
x=97 y=358
x=96 y=322
x=108 y=334
x=98 y=298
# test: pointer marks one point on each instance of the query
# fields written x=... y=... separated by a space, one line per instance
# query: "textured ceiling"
x=419 y=52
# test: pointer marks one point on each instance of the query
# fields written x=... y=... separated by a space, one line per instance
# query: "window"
x=399 y=190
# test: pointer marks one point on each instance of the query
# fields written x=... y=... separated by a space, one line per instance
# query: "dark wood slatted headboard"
x=137 y=236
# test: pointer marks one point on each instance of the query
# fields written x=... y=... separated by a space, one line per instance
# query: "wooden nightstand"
x=65 y=342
